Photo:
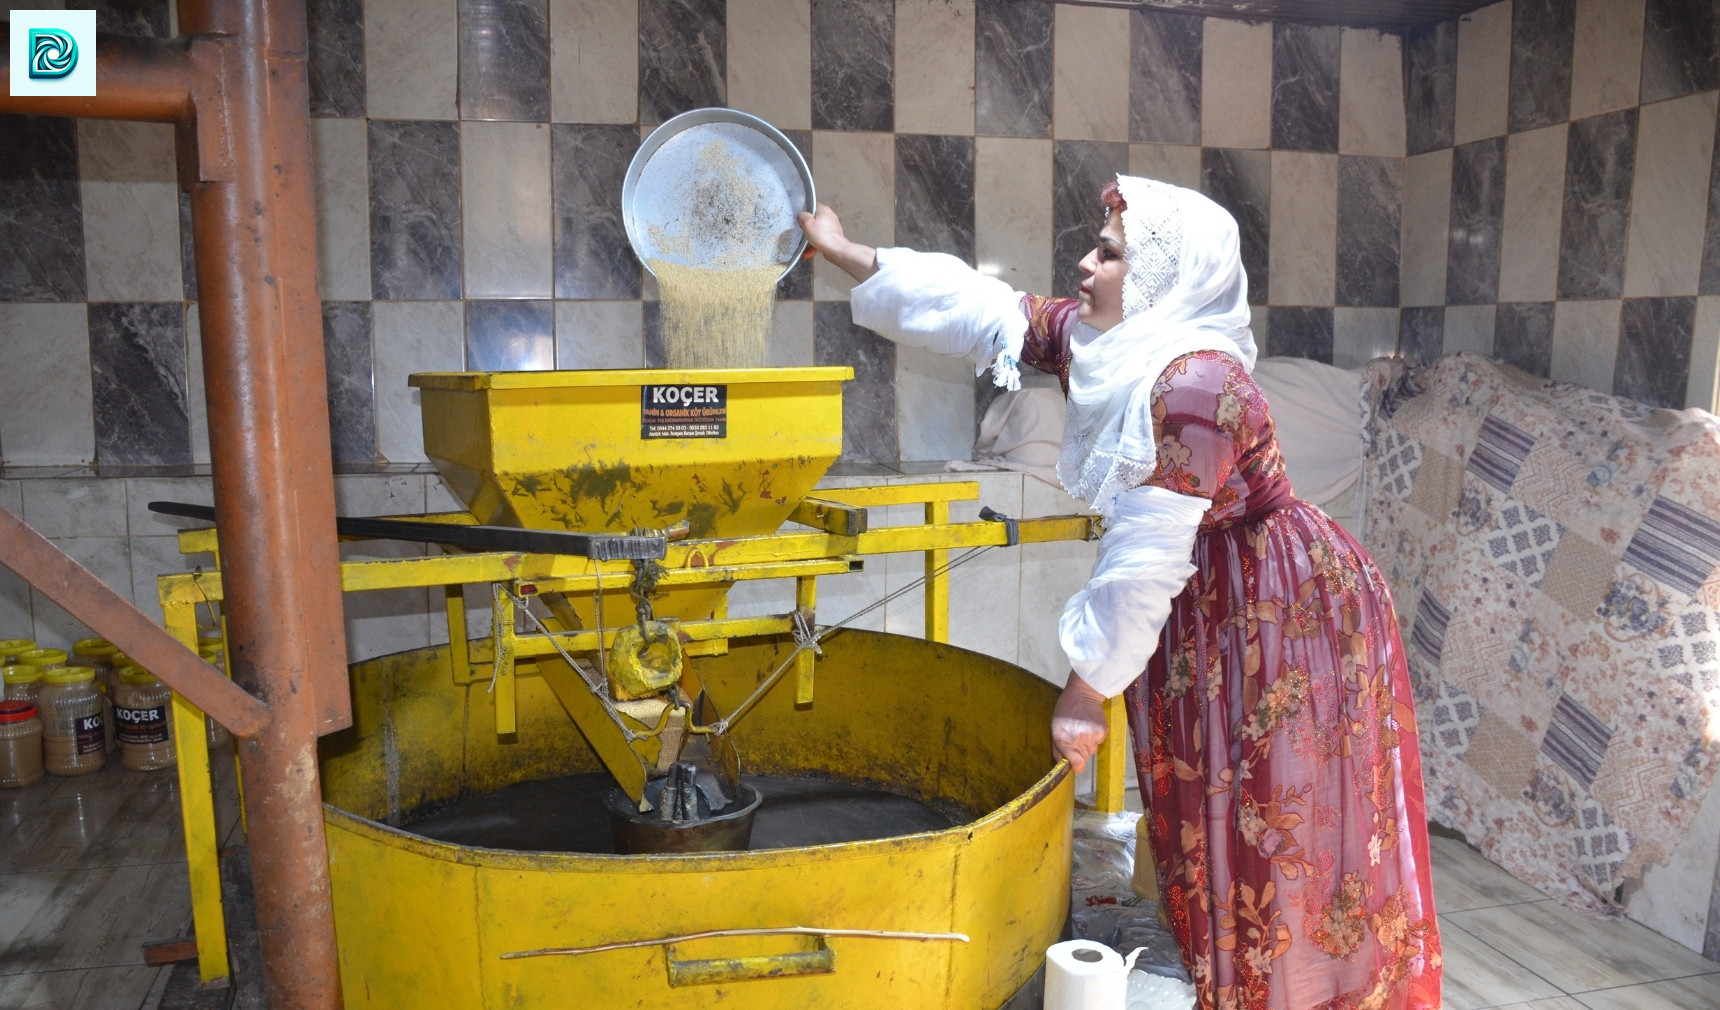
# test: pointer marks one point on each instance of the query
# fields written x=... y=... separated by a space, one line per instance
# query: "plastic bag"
x=1103 y=906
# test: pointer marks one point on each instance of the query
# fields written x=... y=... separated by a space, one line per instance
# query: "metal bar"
x=937 y=579
x=502 y=675
x=136 y=78
x=197 y=813
x=806 y=603
x=600 y=731
x=831 y=517
x=1112 y=762
x=112 y=616
x=459 y=653
x=903 y=494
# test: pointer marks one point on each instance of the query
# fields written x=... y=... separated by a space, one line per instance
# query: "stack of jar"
x=12 y=648
x=97 y=654
x=74 y=734
x=23 y=683
x=143 y=707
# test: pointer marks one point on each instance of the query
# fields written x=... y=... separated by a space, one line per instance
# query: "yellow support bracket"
x=937 y=578
x=839 y=518
x=502 y=628
x=197 y=814
x=1112 y=763
x=903 y=494
x=806 y=603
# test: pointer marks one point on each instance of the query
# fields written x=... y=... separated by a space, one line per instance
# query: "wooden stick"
x=876 y=934
x=170 y=951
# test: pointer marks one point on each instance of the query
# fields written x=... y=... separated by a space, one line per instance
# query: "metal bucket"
x=426 y=923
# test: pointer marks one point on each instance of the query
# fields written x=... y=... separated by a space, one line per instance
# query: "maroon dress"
x=1275 y=736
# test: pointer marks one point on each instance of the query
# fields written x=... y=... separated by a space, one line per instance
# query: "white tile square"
x=1664 y=900
x=1426 y=227
x=1090 y=74
x=934 y=66
x=152 y=557
x=1304 y=228
x=1534 y=202
x=1050 y=574
x=934 y=405
x=1669 y=196
x=505 y=209
x=1361 y=335
x=1478 y=975
x=412 y=58
x=46 y=407
x=1012 y=211
x=1469 y=328
x=1177 y=164
x=1585 y=342
x=593 y=61
x=75 y=507
x=140 y=491
x=1483 y=73
x=599 y=334
x=108 y=559
x=1581 y=952
x=378 y=495
x=791 y=336
x=380 y=623
x=1370 y=94
x=857 y=175
x=342 y=151
x=438 y=498
x=770 y=61
x=130 y=194
x=1704 y=387
x=1673 y=994
x=1236 y=84
x=1606 y=59
x=419 y=337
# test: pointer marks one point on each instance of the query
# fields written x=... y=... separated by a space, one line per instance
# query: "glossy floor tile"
x=1464 y=879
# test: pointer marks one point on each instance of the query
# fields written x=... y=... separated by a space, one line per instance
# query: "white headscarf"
x=1185 y=291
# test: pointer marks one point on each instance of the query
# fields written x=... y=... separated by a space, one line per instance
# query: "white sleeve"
x=935 y=301
x=1111 y=627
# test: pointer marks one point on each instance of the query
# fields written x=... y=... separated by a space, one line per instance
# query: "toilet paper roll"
x=1084 y=975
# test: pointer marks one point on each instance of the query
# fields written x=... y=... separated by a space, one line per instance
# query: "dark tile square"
x=592 y=256
x=1300 y=332
x=1477 y=218
x=1543 y=33
x=1523 y=336
x=336 y=63
x=42 y=228
x=1164 y=77
x=1013 y=68
x=683 y=57
x=415 y=209
x=1654 y=344
x=1241 y=182
x=934 y=194
x=1430 y=103
x=138 y=382
x=1600 y=162
x=1421 y=332
x=869 y=402
x=510 y=336
x=1080 y=168
x=1679 y=54
x=1370 y=220
x=853 y=65
x=1305 y=87
x=351 y=381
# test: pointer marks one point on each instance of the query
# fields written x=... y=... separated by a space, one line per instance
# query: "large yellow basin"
x=424 y=923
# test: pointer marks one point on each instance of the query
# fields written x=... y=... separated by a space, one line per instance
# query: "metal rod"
x=88 y=599
x=870 y=934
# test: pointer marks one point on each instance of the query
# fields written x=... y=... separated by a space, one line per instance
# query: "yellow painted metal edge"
x=625 y=377
x=197 y=813
x=1112 y=762
x=901 y=494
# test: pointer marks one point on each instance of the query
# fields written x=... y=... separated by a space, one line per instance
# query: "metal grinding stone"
x=717 y=189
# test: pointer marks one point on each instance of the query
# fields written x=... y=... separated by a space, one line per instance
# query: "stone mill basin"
x=426 y=923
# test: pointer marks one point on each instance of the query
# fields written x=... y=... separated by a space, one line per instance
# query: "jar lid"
x=20 y=674
x=43 y=657
x=16 y=710
x=94 y=647
x=204 y=641
x=136 y=676
x=69 y=675
x=16 y=644
x=119 y=660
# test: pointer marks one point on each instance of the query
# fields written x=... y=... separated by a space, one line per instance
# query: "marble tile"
x=1585 y=343
x=1421 y=332
x=592 y=258
x=1012 y=210
x=1599 y=161
x=1164 y=77
x=1606 y=61
x=1305 y=82
x=1477 y=212
x=1300 y=332
x=414 y=209
x=196 y=401
x=41 y=226
x=656 y=355
x=934 y=413
x=505 y=206
x=1370 y=228
x=1673 y=994
x=335 y=61
x=1654 y=344
x=510 y=336
x=343 y=208
x=1013 y=58
x=1080 y=168
x=351 y=384
x=140 y=491
x=791 y=336
x=1679 y=52
x=1669 y=899
x=1304 y=228
x=682 y=57
x=1426 y=227
x=853 y=64
x=1172 y=163
x=1468 y=328
x=121 y=988
x=1091 y=72
x=1241 y=182
x=1236 y=84
x=1708 y=282
x=770 y=60
x=130 y=198
x=1371 y=110
x=1523 y=336
x=152 y=557
x=594 y=61
x=59 y=509
x=594 y=334
x=1483 y=73
x=108 y=559
x=1704 y=391
x=66 y=919
x=1582 y=952
x=379 y=495
x=868 y=402
x=419 y=337
x=1542 y=35
x=504 y=60
x=1478 y=975
x=412 y=59
x=1430 y=105
x=45 y=397
x=137 y=377
x=1361 y=335
x=935 y=194
x=856 y=172
x=1534 y=191
x=188 y=252
x=1674 y=158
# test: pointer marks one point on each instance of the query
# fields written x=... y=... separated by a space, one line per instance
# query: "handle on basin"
x=820 y=960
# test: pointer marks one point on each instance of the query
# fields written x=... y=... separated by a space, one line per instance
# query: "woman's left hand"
x=1078 y=723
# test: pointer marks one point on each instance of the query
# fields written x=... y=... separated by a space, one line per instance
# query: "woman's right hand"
x=1078 y=723
x=824 y=233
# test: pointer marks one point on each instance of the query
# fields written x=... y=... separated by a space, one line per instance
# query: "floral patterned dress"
x=1274 y=730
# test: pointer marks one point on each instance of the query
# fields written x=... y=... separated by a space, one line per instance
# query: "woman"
x=1275 y=734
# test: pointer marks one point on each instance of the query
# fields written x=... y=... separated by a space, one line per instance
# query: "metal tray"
x=717 y=188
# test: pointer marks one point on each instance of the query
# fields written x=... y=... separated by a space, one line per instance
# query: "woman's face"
x=1103 y=271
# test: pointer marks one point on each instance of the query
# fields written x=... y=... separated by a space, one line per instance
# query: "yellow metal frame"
x=836 y=545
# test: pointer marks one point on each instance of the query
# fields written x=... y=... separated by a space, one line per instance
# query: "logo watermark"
x=53 y=53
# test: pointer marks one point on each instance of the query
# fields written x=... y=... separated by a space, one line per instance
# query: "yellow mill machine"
x=633 y=667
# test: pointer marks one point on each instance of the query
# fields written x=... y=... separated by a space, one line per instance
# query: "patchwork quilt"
x=1554 y=557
